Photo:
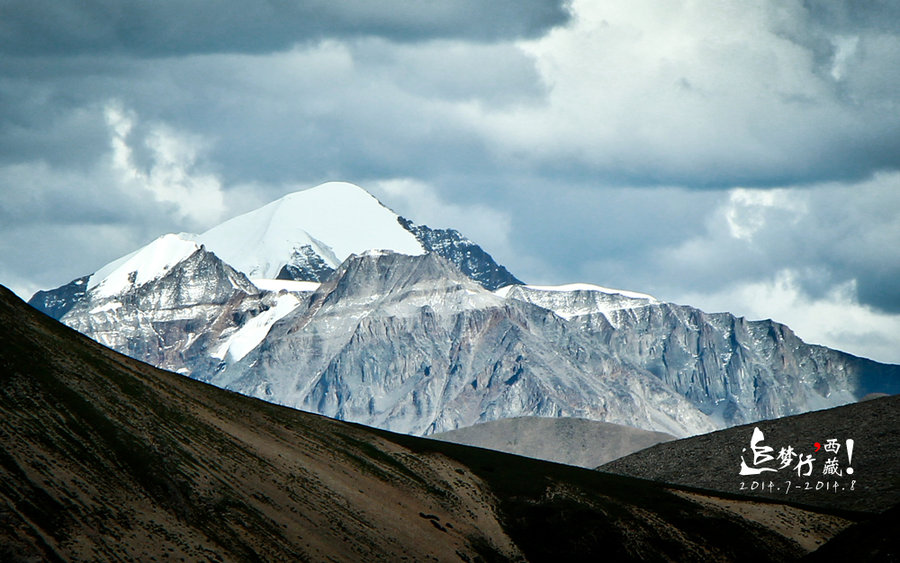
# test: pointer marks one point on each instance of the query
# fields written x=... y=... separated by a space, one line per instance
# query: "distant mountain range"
x=573 y=441
x=106 y=458
x=327 y=301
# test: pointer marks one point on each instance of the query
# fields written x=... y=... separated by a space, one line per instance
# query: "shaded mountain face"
x=103 y=457
x=573 y=441
x=394 y=327
x=57 y=302
x=305 y=264
x=175 y=319
x=713 y=461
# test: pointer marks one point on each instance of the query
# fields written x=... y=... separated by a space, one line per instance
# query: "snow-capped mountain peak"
x=330 y=222
x=302 y=237
x=144 y=265
x=375 y=319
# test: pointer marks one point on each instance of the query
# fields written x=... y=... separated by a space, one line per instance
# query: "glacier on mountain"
x=241 y=340
x=576 y=299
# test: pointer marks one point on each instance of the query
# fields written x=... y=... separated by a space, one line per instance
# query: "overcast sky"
x=740 y=156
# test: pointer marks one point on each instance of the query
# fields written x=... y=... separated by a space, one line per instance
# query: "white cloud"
x=748 y=211
x=172 y=176
x=844 y=51
x=61 y=223
x=842 y=231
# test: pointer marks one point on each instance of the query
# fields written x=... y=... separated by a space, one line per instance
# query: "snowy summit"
x=333 y=220
x=318 y=227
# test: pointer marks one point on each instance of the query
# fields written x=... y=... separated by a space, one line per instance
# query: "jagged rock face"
x=408 y=344
x=738 y=370
x=735 y=370
x=305 y=265
x=57 y=302
x=470 y=258
x=171 y=322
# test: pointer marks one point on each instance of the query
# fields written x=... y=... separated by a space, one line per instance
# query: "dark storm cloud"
x=604 y=150
x=874 y=15
x=365 y=110
x=177 y=27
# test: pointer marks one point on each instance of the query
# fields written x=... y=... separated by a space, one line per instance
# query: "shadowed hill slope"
x=874 y=539
x=102 y=457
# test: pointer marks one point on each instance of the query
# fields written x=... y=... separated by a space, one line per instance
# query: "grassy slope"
x=102 y=457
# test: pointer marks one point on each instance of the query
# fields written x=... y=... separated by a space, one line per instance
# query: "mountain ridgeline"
x=57 y=302
x=306 y=265
x=327 y=301
x=467 y=256
x=573 y=441
x=733 y=369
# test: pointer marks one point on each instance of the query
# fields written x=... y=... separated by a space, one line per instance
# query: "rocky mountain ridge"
x=732 y=369
x=467 y=256
x=408 y=344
